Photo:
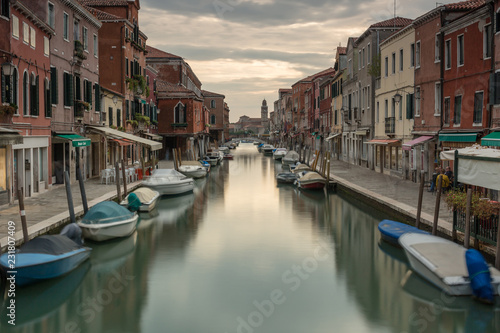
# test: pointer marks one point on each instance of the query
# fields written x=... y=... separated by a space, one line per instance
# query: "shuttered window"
x=97 y=97
x=68 y=89
x=54 y=94
x=409 y=106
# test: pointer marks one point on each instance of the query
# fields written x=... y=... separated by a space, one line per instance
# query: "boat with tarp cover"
x=147 y=199
x=107 y=220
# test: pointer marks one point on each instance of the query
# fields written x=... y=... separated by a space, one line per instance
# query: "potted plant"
x=480 y=207
x=6 y=112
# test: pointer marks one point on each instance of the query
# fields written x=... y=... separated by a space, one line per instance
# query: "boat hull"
x=105 y=231
x=173 y=188
x=311 y=185
x=45 y=266
x=199 y=173
x=390 y=231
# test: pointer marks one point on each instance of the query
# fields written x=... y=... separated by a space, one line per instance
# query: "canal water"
x=243 y=254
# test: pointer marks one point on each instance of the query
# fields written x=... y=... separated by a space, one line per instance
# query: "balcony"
x=78 y=52
x=346 y=117
x=80 y=108
x=390 y=125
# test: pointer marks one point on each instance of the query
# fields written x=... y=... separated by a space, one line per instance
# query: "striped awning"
x=458 y=137
x=491 y=140
x=388 y=142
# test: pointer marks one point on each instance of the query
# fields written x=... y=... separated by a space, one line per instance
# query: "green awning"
x=77 y=140
x=458 y=137
x=492 y=139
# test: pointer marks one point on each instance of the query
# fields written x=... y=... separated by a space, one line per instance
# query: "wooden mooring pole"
x=117 y=180
x=420 y=198
x=436 y=208
x=80 y=182
x=22 y=212
x=69 y=198
x=497 y=257
x=467 y=219
x=124 y=175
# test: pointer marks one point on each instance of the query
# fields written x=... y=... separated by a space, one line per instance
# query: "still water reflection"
x=242 y=254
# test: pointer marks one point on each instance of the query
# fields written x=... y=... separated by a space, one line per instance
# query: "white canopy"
x=484 y=172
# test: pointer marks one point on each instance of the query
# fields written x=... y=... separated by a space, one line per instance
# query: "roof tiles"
x=156 y=53
x=393 y=22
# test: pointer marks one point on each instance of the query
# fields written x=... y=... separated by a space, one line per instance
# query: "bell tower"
x=263 y=111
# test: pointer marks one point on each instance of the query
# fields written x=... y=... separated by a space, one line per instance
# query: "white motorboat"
x=279 y=153
x=442 y=263
x=299 y=168
x=107 y=220
x=267 y=149
x=146 y=196
x=169 y=182
x=223 y=149
x=291 y=157
x=214 y=157
x=310 y=180
x=193 y=169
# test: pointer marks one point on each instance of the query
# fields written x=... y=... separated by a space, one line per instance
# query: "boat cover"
x=106 y=212
x=49 y=244
x=292 y=155
x=133 y=202
x=311 y=176
x=479 y=275
x=194 y=163
x=144 y=194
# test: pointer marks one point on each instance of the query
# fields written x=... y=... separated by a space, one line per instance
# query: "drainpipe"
x=491 y=5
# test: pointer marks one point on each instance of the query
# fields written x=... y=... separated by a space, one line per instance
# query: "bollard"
x=69 y=198
x=22 y=212
x=436 y=209
x=420 y=198
x=497 y=257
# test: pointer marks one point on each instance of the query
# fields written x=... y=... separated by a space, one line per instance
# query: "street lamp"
x=397 y=97
x=115 y=100
x=7 y=68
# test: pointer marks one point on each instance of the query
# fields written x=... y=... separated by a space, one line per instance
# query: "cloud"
x=245 y=49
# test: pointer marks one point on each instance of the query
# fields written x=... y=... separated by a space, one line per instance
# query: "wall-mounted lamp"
x=397 y=97
x=7 y=68
x=115 y=100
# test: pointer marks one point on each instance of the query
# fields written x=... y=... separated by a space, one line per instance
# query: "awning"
x=154 y=136
x=383 y=142
x=122 y=142
x=361 y=132
x=414 y=142
x=492 y=139
x=114 y=134
x=458 y=137
x=10 y=137
x=76 y=140
x=332 y=136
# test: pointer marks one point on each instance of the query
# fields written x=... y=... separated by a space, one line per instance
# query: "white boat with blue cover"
x=107 y=220
x=392 y=230
x=44 y=257
x=442 y=263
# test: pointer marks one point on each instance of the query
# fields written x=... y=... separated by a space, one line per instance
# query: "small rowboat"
x=392 y=230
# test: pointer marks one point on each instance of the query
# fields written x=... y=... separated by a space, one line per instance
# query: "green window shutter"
x=127 y=112
x=70 y=90
x=97 y=97
x=3 y=88
x=53 y=85
x=37 y=95
x=408 y=107
x=66 y=89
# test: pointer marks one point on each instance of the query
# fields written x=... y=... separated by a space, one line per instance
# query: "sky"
x=248 y=49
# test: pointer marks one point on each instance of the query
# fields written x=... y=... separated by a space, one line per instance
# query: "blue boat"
x=44 y=257
x=392 y=230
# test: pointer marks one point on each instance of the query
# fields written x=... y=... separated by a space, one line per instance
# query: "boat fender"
x=479 y=276
x=73 y=232
x=133 y=202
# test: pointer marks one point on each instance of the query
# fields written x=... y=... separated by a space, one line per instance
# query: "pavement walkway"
x=49 y=210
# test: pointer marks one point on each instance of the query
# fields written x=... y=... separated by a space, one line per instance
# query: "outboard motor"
x=479 y=276
x=73 y=232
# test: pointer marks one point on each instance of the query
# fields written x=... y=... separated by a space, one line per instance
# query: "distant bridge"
x=250 y=139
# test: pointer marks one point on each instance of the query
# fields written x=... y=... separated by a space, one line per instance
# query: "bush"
x=480 y=207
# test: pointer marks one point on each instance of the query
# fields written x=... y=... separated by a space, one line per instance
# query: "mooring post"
x=80 y=181
x=118 y=190
x=436 y=208
x=420 y=198
x=467 y=219
x=69 y=197
x=22 y=212
x=124 y=175
x=497 y=257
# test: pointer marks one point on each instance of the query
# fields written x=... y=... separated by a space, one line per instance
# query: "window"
x=497 y=20
x=5 y=8
x=126 y=67
x=110 y=116
x=409 y=106
x=378 y=111
x=417 y=102
x=212 y=103
x=97 y=97
x=401 y=62
x=118 y=117
x=487 y=41
x=32 y=37
x=65 y=26
x=46 y=46
x=460 y=50
x=68 y=89
x=437 y=99
x=180 y=114
x=437 y=49
x=417 y=55
x=34 y=95
x=53 y=85
x=15 y=27
x=478 y=107
x=26 y=33
x=26 y=85
x=447 y=54
x=386 y=61
x=78 y=88
x=359 y=59
x=393 y=63
x=446 y=115
x=48 y=103
x=95 y=46
x=458 y=110
x=76 y=30
x=363 y=58
x=393 y=108
x=400 y=109
x=368 y=54
x=51 y=16
x=126 y=32
x=85 y=37
x=412 y=55
x=212 y=119
x=386 y=109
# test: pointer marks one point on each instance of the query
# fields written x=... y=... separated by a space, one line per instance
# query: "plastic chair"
x=106 y=175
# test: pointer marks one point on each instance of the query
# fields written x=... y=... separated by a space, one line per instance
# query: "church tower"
x=263 y=111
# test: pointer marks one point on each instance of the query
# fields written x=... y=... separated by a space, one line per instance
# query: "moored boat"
x=291 y=157
x=442 y=263
x=107 y=220
x=44 y=257
x=193 y=169
x=286 y=177
x=147 y=197
x=390 y=231
x=311 y=181
x=267 y=149
x=169 y=182
x=299 y=168
x=279 y=153
x=228 y=156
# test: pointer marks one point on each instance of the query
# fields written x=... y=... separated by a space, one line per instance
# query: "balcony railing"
x=78 y=52
x=390 y=125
